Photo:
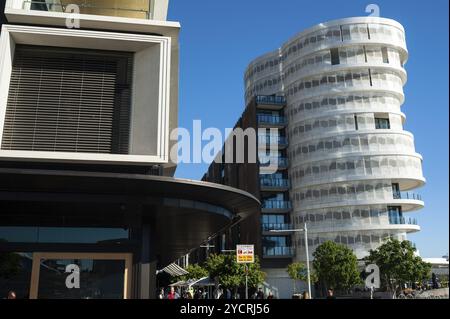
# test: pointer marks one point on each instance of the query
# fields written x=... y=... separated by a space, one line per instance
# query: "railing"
x=278 y=251
x=269 y=227
x=273 y=182
x=272 y=140
x=271 y=161
x=407 y=195
x=91 y=7
x=269 y=99
x=271 y=119
x=276 y=204
x=402 y=221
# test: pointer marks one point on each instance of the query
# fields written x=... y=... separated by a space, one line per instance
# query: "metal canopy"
x=174 y=270
x=178 y=228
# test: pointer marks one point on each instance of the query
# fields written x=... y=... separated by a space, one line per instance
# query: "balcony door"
x=80 y=276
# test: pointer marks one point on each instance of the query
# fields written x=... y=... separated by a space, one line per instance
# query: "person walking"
x=172 y=295
x=330 y=294
x=260 y=294
x=12 y=295
x=218 y=292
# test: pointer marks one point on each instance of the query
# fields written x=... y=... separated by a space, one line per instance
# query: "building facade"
x=87 y=103
x=267 y=179
x=335 y=91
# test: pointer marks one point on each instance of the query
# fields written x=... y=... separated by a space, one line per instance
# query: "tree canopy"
x=336 y=266
x=230 y=274
x=298 y=271
x=195 y=272
x=398 y=264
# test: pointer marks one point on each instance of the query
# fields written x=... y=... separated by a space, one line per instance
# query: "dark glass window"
x=335 y=56
x=395 y=215
x=64 y=235
x=382 y=124
x=99 y=279
x=385 y=54
x=396 y=191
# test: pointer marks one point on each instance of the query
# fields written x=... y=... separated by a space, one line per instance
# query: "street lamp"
x=305 y=231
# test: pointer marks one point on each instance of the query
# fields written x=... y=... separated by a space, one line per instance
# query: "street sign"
x=245 y=254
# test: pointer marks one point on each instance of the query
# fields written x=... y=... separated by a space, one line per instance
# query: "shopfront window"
x=99 y=279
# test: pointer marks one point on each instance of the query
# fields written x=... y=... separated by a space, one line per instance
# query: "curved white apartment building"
x=352 y=166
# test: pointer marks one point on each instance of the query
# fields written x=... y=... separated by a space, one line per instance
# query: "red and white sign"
x=245 y=254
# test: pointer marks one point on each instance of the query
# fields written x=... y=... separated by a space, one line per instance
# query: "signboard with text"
x=245 y=254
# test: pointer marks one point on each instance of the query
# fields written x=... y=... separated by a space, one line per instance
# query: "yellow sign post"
x=245 y=254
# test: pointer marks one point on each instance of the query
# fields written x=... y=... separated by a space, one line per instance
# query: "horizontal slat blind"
x=68 y=101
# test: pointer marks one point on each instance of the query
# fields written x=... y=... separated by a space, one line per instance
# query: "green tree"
x=336 y=266
x=398 y=264
x=195 y=272
x=230 y=274
x=298 y=271
x=9 y=265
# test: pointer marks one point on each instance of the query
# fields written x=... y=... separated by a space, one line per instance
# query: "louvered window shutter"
x=69 y=100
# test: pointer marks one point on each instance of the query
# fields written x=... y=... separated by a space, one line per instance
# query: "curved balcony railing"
x=271 y=119
x=276 y=204
x=407 y=195
x=403 y=221
x=268 y=99
x=269 y=227
x=278 y=251
x=274 y=182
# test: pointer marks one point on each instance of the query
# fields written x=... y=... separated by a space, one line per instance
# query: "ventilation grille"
x=64 y=100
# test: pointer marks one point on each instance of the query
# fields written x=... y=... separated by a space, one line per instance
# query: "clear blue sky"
x=219 y=38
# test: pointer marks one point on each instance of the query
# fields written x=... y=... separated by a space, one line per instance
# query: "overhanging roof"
x=179 y=227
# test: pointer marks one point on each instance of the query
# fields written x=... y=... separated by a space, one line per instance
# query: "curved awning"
x=174 y=270
x=184 y=213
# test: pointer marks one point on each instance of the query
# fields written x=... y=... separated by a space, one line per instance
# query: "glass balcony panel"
x=274 y=182
x=271 y=119
x=269 y=227
x=269 y=99
x=278 y=251
x=270 y=161
x=272 y=140
x=406 y=195
x=137 y=9
x=276 y=204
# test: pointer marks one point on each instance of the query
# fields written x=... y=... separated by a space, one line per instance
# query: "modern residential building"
x=87 y=102
x=268 y=183
x=347 y=166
